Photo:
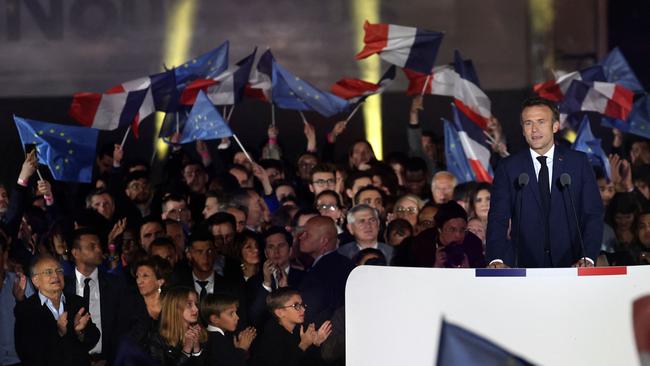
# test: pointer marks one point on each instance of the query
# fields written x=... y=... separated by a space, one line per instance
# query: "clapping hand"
x=244 y=339
x=81 y=320
x=323 y=332
x=19 y=286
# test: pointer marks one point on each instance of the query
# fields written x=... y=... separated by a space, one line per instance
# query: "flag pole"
x=424 y=88
x=37 y=170
x=178 y=124
x=230 y=113
x=126 y=134
x=304 y=120
x=272 y=115
x=353 y=112
x=242 y=148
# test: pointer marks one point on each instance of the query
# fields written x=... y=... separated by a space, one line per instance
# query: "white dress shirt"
x=212 y=328
x=94 y=303
x=209 y=287
x=549 y=163
x=50 y=305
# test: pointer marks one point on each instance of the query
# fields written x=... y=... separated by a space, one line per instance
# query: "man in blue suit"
x=543 y=229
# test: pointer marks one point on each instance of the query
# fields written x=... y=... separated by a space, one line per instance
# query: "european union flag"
x=164 y=92
x=459 y=346
x=618 y=71
x=292 y=93
x=590 y=145
x=204 y=122
x=207 y=66
x=69 y=151
x=639 y=118
x=456 y=160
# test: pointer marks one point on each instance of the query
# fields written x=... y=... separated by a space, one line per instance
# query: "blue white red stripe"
x=474 y=145
x=355 y=90
x=556 y=89
x=608 y=99
x=523 y=272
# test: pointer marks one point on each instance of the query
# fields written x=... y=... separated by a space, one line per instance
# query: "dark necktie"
x=87 y=293
x=204 y=291
x=545 y=195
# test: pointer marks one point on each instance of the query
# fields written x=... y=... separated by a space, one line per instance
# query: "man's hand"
x=338 y=129
x=244 y=339
x=310 y=134
x=62 y=324
x=583 y=262
x=267 y=271
x=118 y=155
x=29 y=166
x=81 y=321
x=261 y=174
x=117 y=230
x=323 y=332
x=416 y=106
x=307 y=337
x=441 y=257
x=497 y=265
x=44 y=188
x=19 y=286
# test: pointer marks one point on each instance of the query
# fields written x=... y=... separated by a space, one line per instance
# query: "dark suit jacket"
x=277 y=347
x=323 y=287
x=111 y=293
x=221 y=351
x=257 y=311
x=37 y=339
x=564 y=243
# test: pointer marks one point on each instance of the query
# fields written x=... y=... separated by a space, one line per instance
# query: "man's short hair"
x=151 y=219
x=322 y=168
x=221 y=218
x=38 y=260
x=369 y=188
x=272 y=163
x=163 y=241
x=78 y=233
x=97 y=192
x=172 y=197
x=276 y=299
x=135 y=176
x=303 y=212
x=215 y=304
x=358 y=208
x=200 y=235
x=448 y=211
x=352 y=177
x=277 y=230
x=536 y=101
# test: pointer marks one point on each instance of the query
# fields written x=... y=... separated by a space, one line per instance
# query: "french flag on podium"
x=408 y=47
x=556 y=89
x=610 y=100
x=474 y=145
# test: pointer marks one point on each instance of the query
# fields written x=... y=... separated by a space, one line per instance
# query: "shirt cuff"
x=496 y=261
x=267 y=288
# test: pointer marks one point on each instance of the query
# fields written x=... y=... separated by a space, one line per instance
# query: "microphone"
x=565 y=182
x=522 y=181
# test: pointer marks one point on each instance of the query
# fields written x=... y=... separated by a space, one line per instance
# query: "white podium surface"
x=547 y=316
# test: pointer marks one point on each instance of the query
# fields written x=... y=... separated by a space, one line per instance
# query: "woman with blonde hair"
x=408 y=207
x=180 y=337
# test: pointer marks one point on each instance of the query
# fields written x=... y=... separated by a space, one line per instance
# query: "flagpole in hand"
x=304 y=120
x=40 y=177
x=426 y=81
x=242 y=148
x=126 y=134
x=353 y=112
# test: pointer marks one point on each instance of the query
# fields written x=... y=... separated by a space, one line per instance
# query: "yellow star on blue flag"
x=204 y=122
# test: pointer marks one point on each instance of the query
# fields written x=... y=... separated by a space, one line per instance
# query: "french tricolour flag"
x=611 y=100
x=226 y=88
x=355 y=90
x=556 y=89
x=127 y=103
x=474 y=145
x=408 y=47
x=260 y=83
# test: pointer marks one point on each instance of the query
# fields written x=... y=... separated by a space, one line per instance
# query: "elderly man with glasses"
x=363 y=224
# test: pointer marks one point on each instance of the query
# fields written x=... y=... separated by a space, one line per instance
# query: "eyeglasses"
x=410 y=210
x=322 y=182
x=451 y=230
x=298 y=306
x=137 y=186
x=326 y=207
x=177 y=213
x=50 y=272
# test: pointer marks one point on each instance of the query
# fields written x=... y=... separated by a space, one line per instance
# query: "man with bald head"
x=52 y=328
x=323 y=288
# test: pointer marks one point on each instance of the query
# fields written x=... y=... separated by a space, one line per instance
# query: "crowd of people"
x=233 y=261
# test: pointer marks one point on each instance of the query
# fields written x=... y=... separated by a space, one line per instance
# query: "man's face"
x=175 y=232
x=426 y=218
x=228 y=318
x=148 y=232
x=453 y=231
x=365 y=227
x=274 y=174
x=4 y=200
x=48 y=277
x=277 y=250
x=201 y=255
x=305 y=165
x=322 y=181
x=328 y=206
x=104 y=163
x=241 y=176
x=138 y=191
x=177 y=211
x=539 y=127
x=361 y=153
x=195 y=178
x=606 y=190
x=640 y=153
x=211 y=207
x=165 y=252
x=358 y=184
x=429 y=147
x=103 y=204
x=373 y=199
x=644 y=230
x=241 y=159
x=310 y=240
x=442 y=190
x=292 y=311
x=89 y=252
x=224 y=236
x=240 y=218
x=257 y=210
x=415 y=181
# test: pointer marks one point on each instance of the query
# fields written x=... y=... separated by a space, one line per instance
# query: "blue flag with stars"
x=207 y=66
x=69 y=151
x=590 y=145
x=290 y=92
x=204 y=122
x=455 y=157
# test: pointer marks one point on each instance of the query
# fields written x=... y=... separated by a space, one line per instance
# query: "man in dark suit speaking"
x=532 y=196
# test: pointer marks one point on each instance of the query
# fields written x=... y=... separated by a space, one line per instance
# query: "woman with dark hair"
x=622 y=215
x=361 y=156
x=479 y=202
x=248 y=249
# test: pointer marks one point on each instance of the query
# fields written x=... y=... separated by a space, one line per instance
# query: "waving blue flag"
x=290 y=92
x=69 y=151
x=206 y=66
x=459 y=346
x=590 y=145
x=204 y=122
x=455 y=157
x=618 y=71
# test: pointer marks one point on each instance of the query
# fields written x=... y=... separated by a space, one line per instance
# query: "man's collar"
x=45 y=299
x=212 y=328
x=80 y=277
x=210 y=278
x=549 y=154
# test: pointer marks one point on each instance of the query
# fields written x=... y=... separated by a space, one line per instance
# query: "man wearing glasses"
x=363 y=224
x=323 y=177
x=51 y=328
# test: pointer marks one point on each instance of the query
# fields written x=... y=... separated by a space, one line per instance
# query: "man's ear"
x=556 y=126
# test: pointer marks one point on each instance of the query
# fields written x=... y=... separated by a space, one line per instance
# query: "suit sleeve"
x=498 y=246
x=591 y=211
